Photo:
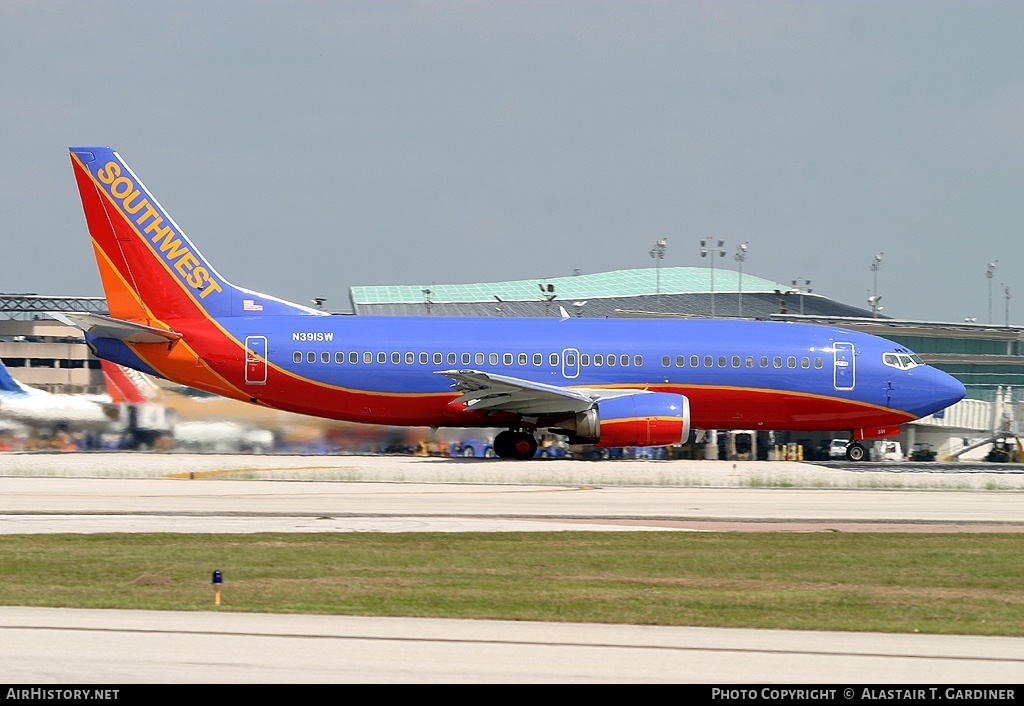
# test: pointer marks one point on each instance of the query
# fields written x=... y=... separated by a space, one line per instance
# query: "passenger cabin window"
x=805 y=362
x=479 y=358
x=623 y=360
x=325 y=357
x=452 y=359
x=553 y=359
x=353 y=357
x=438 y=358
x=570 y=359
x=598 y=360
x=297 y=357
x=638 y=360
x=611 y=361
x=694 y=361
x=777 y=361
x=524 y=359
x=466 y=358
x=424 y=358
x=339 y=357
x=735 y=361
x=818 y=362
x=410 y=358
x=493 y=358
x=721 y=361
x=585 y=359
x=382 y=357
x=791 y=361
x=764 y=361
x=507 y=359
x=367 y=357
x=709 y=362
x=311 y=357
x=538 y=358
x=666 y=361
x=680 y=361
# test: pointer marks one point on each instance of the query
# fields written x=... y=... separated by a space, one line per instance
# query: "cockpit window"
x=903 y=361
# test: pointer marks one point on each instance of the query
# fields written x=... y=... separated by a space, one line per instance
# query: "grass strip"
x=929 y=583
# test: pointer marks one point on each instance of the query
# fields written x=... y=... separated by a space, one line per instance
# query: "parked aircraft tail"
x=120 y=387
x=9 y=384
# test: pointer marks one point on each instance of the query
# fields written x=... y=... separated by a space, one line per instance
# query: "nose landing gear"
x=856 y=452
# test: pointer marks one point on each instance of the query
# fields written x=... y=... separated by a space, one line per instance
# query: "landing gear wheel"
x=524 y=446
x=856 y=452
x=503 y=444
x=519 y=445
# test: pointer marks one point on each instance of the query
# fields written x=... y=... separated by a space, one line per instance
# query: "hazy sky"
x=306 y=147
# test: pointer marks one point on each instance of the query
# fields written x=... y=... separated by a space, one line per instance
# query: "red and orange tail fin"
x=152 y=273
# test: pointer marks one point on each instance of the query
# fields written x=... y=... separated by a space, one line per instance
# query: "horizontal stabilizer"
x=108 y=327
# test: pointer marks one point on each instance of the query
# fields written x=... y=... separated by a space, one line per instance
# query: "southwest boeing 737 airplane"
x=608 y=382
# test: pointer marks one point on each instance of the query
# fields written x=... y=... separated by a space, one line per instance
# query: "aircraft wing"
x=491 y=391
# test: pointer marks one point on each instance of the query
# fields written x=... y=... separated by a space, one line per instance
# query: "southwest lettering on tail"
x=608 y=382
x=125 y=192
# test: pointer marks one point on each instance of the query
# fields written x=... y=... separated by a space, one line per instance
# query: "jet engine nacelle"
x=641 y=419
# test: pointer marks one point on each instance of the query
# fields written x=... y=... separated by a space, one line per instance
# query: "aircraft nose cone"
x=948 y=390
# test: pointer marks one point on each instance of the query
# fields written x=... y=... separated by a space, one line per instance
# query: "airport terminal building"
x=43 y=352
x=987 y=359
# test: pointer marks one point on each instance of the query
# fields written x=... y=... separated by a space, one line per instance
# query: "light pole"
x=802 y=286
x=548 y=292
x=990 y=272
x=741 y=256
x=658 y=253
x=1006 y=294
x=712 y=247
x=873 y=299
x=426 y=299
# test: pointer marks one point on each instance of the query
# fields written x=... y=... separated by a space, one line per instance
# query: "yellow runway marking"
x=192 y=475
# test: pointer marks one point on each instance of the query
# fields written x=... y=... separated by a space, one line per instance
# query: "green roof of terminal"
x=621 y=283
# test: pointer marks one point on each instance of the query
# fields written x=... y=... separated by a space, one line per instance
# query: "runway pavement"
x=189 y=493
x=179 y=493
x=54 y=645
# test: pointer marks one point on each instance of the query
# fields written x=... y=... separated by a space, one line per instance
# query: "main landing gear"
x=856 y=452
x=515 y=443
